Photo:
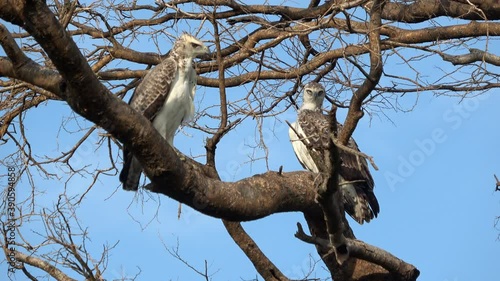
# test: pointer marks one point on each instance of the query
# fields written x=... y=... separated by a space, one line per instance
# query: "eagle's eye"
x=321 y=93
x=309 y=92
x=194 y=45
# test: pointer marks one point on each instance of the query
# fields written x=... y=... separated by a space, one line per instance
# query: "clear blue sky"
x=435 y=187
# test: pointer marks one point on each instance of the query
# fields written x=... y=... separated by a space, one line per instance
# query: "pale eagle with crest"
x=165 y=96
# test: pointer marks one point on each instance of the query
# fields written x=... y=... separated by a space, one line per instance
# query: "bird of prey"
x=165 y=96
x=312 y=127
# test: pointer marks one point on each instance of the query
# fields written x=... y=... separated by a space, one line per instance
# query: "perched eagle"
x=165 y=96
x=355 y=181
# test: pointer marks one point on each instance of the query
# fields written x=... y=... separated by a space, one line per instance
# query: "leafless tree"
x=62 y=244
x=87 y=56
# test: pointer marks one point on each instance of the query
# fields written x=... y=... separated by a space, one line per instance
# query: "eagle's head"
x=190 y=46
x=313 y=96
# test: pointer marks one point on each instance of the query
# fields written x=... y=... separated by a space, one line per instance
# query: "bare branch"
x=355 y=112
x=43 y=265
x=422 y=10
x=330 y=197
x=361 y=250
x=474 y=56
x=21 y=67
x=262 y=264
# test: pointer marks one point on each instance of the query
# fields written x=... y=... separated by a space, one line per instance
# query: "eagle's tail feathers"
x=358 y=204
x=131 y=172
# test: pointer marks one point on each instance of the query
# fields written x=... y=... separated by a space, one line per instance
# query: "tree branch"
x=23 y=68
x=43 y=265
x=422 y=10
x=355 y=112
x=361 y=250
x=473 y=56
x=330 y=197
x=262 y=264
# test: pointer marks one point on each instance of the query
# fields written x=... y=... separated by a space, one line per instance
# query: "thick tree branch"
x=248 y=199
x=290 y=13
x=422 y=10
x=10 y=10
x=23 y=68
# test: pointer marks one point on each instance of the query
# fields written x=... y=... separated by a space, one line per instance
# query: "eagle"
x=313 y=128
x=165 y=96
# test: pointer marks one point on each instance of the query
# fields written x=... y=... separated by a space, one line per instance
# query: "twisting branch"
x=473 y=56
x=355 y=111
x=213 y=141
x=359 y=249
x=419 y=11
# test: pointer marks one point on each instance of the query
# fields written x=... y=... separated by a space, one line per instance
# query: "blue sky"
x=435 y=187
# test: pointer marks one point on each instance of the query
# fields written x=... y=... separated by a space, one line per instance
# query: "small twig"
x=179 y=211
x=339 y=145
x=280 y=170
x=358 y=153
x=497 y=184
x=301 y=235
x=300 y=136
x=174 y=252
x=351 y=182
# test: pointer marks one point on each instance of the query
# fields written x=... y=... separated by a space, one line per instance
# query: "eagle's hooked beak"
x=205 y=50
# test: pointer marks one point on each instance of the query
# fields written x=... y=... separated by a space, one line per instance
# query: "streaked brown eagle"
x=355 y=180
